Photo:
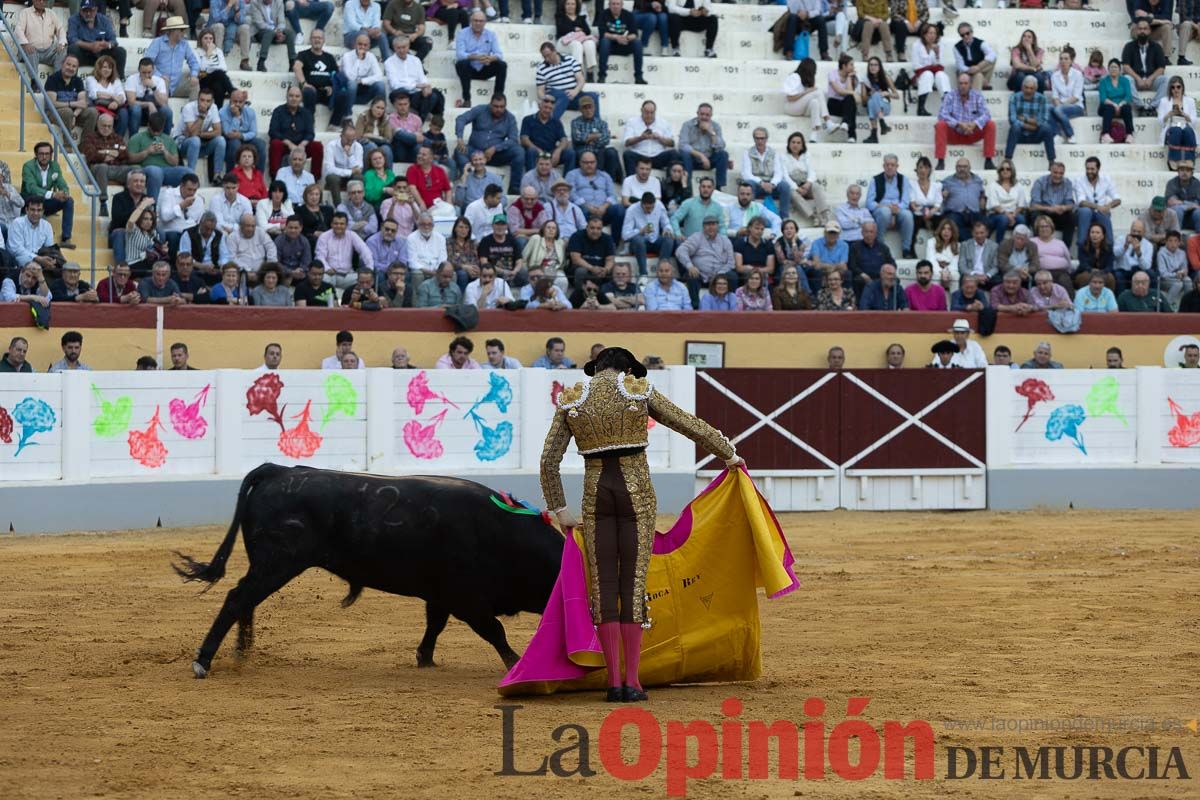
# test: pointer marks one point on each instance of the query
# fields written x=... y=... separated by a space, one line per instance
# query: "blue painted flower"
x=1065 y=421
x=493 y=443
x=34 y=416
x=499 y=392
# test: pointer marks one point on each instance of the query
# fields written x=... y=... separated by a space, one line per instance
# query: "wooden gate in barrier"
x=861 y=439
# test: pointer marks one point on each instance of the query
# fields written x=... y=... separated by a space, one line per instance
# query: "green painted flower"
x=340 y=398
x=1103 y=397
x=114 y=418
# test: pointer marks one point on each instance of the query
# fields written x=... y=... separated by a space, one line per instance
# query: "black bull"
x=440 y=539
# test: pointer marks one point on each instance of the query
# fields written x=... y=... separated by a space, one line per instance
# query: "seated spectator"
x=406 y=18
x=64 y=90
x=878 y=92
x=127 y=206
x=752 y=251
x=405 y=126
x=640 y=182
x=704 y=255
x=404 y=206
x=314 y=71
x=316 y=291
x=1133 y=253
x=1096 y=197
x=496 y=357
x=293 y=251
x=493 y=133
x=90 y=35
x=442 y=291
x=926 y=193
x=690 y=215
x=835 y=296
x=801 y=95
x=647 y=136
x=883 y=293
x=967 y=352
x=228 y=21
x=1191 y=356
x=362 y=295
x=268 y=290
x=231 y=290
x=570 y=217
x=291 y=129
x=1010 y=296
x=406 y=74
x=118 y=287
x=488 y=290
x=928 y=62
x=808 y=196
x=106 y=92
x=145 y=94
x=829 y=254
x=70 y=289
x=753 y=294
x=388 y=249
x=1053 y=254
x=501 y=252
x=429 y=180
x=618 y=32
x=268 y=26
x=1018 y=253
x=1002 y=357
x=555 y=356
x=30 y=287
x=873 y=16
x=229 y=206
x=541 y=293
x=542 y=178
x=746 y=209
x=475 y=180
x=1047 y=295
x=18 y=348
x=561 y=80
x=668 y=294
x=790 y=294
x=1116 y=99
x=925 y=295
x=397 y=293
x=344 y=346
x=762 y=168
x=29 y=235
x=1066 y=95
x=547 y=251
x=867 y=256
x=836 y=358
x=239 y=126
x=702 y=144
x=336 y=248
x=107 y=157
x=592 y=253
x=251 y=184
x=206 y=244
x=888 y=201
x=696 y=16
x=841 y=97
x=159 y=289
x=477 y=56
x=170 y=53
x=1188 y=304
x=192 y=288
x=964 y=119
x=894 y=356
x=1158 y=219
x=249 y=247
x=1145 y=63
x=1029 y=119
x=542 y=133
x=851 y=216
x=157 y=154
x=1172 y=268
x=595 y=193
x=1176 y=115
x=343 y=161
x=72 y=347
x=974 y=57
x=364 y=18
x=1041 y=358
x=944 y=251
x=1027 y=61
x=361 y=215
x=273 y=212
x=1095 y=258
x=963 y=198
x=483 y=211
x=590 y=133
x=1095 y=297
x=676 y=189
x=1183 y=196
x=1053 y=197
x=622 y=292
x=144 y=245
x=648 y=229
x=42 y=177
x=719 y=297
x=791 y=250
x=295 y=177
x=968 y=297
x=315 y=216
x=200 y=135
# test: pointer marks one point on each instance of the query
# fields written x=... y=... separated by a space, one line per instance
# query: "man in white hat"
x=970 y=354
x=170 y=52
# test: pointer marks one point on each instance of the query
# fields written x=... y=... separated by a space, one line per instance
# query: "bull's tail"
x=191 y=570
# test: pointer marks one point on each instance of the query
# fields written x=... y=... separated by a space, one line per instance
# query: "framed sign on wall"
x=707 y=355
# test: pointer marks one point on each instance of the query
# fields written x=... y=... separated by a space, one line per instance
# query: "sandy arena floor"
x=934 y=616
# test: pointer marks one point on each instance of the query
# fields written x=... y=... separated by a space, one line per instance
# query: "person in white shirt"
x=343 y=161
x=1134 y=253
x=295 y=177
x=1066 y=95
x=179 y=208
x=481 y=212
x=363 y=18
x=929 y=57
x=488 y=291
x=639 y=183
x=146 y=93
x=362 y=75
x=200 y=133
x=405 y=73
x=249 y=247
x=649 y=136
x=762 y=168
x=1095 y=199
x=229 y=206
x=970 y=354
x=344 y=344
x=426 y=251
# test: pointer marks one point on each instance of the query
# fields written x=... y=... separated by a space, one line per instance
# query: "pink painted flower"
x=1186 y=431
x=186 y=419
x=422 y=440
x=419 y=393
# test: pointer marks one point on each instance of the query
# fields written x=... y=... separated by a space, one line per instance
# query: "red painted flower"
x=6 y=426
x=1185 y=432
x=555 y=390
x=263 y=397
x=300 y=442
x=1034 y=391
x=145 y=446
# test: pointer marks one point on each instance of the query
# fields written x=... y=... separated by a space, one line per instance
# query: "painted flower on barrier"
x=263 y=398
x=499 y=392
x=1103 y=397
x=1065 y=421
x=34 y=416
x=1034 y=391
x=340 y=398
x=114 y=418
x=421 y=440
x=145 y=446
x=300 y=441
x=493 y=442
x=185 y=417
x=1184 y=433
x=419 y=393
x=6 y=426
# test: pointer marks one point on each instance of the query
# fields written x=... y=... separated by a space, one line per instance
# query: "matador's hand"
x=566 y=519
x=735 y=462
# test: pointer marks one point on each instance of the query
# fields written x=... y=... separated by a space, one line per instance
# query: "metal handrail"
x=64 y=142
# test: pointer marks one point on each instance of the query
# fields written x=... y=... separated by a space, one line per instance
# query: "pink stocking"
x=631 y=636
x=610 y=644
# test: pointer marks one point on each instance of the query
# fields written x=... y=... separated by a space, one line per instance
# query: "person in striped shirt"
x=561 y=77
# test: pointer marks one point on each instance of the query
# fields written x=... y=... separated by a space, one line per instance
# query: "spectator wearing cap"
x=690 y=215
x=41 y=34
x=1029 y=119
x=1158 y=219
x=594 y=192
x=830 y=253
x=968 y=354
x=851 y=216
x=590 y=133
x=70 y=289
x=1041 y=358
x=649 y=136
x=648 y=229
x=964 y=119
x=170 y=53
x=500 y=250
x=478 y=57
x=704 y=255
x=944 y=352
x=493 y=133
x=569 y=217
x=229 y=206
x=90 y=35
x=702 y=144
x=1183 y=196
x=542 y=178
x=543 y=134
x=561 y=79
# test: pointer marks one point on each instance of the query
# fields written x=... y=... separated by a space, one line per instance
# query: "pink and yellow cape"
x=702 y=583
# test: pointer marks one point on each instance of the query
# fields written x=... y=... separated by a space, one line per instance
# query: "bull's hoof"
x=199 y=670
x=511 y=660
x=424 y=661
